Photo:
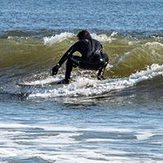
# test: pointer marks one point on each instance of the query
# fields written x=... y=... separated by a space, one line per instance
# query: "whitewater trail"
x=87 y=86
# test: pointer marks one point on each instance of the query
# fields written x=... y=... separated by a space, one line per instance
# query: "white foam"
x=144 y=135
x=130 y=43
x=12 y=125
x=62 y=139
x=65 y=35
x=149 y=73
x=104 y=37
x=57 y=38
x=88 y=87
x=61 y=146
x=9 y=152
x=107 y=129
x=83 y=86
x=152 y=45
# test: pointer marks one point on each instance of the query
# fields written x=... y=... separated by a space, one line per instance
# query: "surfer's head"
x=84 y=34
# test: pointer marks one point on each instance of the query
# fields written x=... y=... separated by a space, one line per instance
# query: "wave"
x=149 y=80
x=32 y=58
x=127 y=54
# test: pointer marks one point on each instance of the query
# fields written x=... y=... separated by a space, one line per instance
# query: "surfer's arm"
x=69 y=53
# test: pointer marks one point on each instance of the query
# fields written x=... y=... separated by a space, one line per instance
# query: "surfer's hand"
x=55 y=69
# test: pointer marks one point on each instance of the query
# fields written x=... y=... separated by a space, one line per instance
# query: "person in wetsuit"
x=92 y=57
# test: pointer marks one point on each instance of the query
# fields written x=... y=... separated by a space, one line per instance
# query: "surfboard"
x=53 y=83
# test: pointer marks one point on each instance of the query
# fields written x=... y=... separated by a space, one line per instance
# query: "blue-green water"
x=125 y=15
x=119 y=119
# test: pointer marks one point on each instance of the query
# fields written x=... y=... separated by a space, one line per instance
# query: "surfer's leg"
x=101 y=73
x=73 y=61
x=103 y=67
x=69 y=66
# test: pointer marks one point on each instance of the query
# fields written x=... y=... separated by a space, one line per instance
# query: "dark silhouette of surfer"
x=92 y=57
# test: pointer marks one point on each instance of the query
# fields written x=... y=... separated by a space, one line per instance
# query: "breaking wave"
x=86 y=86
x=28 y=60
x=127 y=54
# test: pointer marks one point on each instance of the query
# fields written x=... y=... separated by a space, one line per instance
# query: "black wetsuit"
x=92 y=57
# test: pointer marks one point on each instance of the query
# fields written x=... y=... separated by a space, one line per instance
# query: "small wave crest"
x=153 y=45
x=57 y=38
x=66 y=35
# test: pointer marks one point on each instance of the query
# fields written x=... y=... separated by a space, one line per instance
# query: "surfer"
x=92 y=57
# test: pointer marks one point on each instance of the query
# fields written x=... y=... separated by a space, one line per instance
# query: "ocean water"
x=118 y=119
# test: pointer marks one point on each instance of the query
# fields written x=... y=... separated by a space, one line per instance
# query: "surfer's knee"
x=75 y=61
x=69 y=62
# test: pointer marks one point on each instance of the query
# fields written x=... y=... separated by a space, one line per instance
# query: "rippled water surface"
x=120 y=128
x=118 y=119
